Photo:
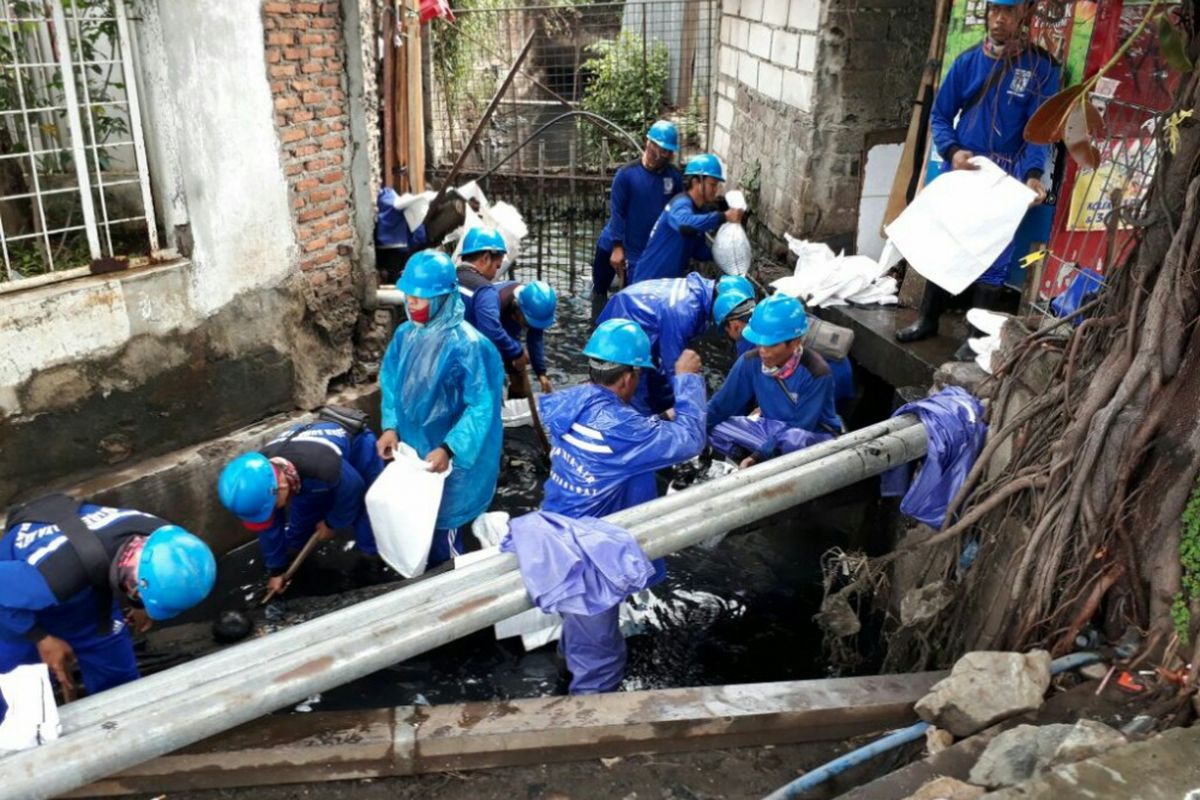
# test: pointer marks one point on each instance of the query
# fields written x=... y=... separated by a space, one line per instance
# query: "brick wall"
x=800 y=83
x=305 y=55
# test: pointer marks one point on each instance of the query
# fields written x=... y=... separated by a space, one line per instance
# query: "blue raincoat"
x=391 y=226
x=762 y=438
x=335 y=494
x=672 y=312
x=676 y=239
x=602 y=459
x=491 y=309
x=982 y=106
x=43 y=590
x=443 y=383
x=804 y=400
x=953 y=420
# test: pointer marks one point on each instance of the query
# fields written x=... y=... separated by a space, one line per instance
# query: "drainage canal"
x=739 y=613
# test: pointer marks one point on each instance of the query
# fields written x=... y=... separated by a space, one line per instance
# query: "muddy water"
x=739 y=613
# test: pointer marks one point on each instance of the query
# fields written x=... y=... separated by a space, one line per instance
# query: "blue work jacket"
x=491 y=308
x=676 y=239
x=638 y=197
x=803 y=400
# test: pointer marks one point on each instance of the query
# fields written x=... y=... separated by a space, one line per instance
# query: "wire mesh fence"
x=628 y=62
x=73 y=182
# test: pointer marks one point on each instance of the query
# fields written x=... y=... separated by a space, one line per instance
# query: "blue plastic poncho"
x=581 y=569
x=672 y=312
x=805 y=399
x=953 y=421
x=442 y=383
x=762 y=438
x=1083 y=288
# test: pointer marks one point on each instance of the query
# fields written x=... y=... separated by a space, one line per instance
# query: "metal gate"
x=629 y=62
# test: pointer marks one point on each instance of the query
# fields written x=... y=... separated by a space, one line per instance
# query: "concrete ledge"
x=876 y=348
x=409 y=740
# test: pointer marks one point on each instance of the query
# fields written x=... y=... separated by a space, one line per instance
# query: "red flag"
x=433 y=9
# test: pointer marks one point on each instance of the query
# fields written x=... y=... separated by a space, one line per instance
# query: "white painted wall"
x=216 y=166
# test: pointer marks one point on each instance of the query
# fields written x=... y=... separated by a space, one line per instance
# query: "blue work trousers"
x=106 y=660
x=595 y=651
x=306 y=511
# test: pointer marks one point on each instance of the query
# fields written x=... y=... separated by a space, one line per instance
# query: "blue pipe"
x=816 y=777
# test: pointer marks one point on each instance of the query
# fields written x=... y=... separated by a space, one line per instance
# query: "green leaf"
x=1172 y=45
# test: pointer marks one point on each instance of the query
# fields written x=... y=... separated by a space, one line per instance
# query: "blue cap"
x=726 y=302
x=705 y=164
x=779 y=318
x=429 y=273
x=739 y=282
x=663 y=134
x=537 y=301
x=481 y=240
x=247 y=487
x=175 y=572
x=620 y=341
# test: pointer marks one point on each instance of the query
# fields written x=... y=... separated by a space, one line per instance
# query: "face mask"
x=787 y=369
x=419 y=317
x=125 y=569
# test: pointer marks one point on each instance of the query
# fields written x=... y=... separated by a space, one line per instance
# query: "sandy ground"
x=738 y=774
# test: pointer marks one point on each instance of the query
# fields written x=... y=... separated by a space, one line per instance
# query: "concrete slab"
x=877 y=351
x=1163 y=768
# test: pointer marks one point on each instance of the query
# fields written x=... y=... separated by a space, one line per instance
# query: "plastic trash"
x=731 y=249
x=822 y=279
x=32 y=717
x=1084 y=286
x=515 y=413
x=403 y=506
x=489 y=530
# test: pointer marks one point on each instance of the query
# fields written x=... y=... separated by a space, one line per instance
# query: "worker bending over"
x=671 y=312
x=640 y=190
x=311 y=480
x=502 y=311
x=988 y=96
x=678 y=234
x=603 y=457
x=782 y=379
x=67 y=568
x=442 y=383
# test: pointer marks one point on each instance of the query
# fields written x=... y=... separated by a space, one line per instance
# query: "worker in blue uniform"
x=310 y=480
x=732 y=309
x=640 y=190
x=678 y=234
x=67 y=568
x=671 y=312
x=442 y=384
x=981 y=109
x=603 y=456
x=504 y=311
x=783 y=379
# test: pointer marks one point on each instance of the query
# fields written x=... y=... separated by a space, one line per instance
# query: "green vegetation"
x=627 y=83
x=1189 y=559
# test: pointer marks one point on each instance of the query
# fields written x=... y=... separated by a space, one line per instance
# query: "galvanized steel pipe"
x=280 y=680
x=186 y=677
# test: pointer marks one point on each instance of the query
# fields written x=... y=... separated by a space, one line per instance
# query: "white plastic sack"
x=959 y=224
x=414 y=206
x=32 y=716
x=736 y=198
x=489 y=529
x=731 y=249
x=822 y=280
x=403 y=505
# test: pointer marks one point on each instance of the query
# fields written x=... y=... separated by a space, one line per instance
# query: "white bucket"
x=403 y=505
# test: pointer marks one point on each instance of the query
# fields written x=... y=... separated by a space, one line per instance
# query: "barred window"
x=74 y=185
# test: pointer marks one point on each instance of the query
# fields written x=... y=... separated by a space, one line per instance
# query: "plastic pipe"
x=276 y=680
x=813 y=779
x=186 y=677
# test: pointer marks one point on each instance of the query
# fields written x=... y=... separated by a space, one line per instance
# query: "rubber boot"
x=933 y=302
x=986 y=296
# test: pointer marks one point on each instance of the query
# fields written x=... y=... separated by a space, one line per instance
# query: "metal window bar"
x=62 y=38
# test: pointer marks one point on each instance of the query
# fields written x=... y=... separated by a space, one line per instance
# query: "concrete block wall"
x=306 y=55
x=800 y=83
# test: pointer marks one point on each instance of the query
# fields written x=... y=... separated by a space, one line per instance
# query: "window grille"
x=74 y=183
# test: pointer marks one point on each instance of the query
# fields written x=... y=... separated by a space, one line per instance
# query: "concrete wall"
x=800 y=83
x=253 y=319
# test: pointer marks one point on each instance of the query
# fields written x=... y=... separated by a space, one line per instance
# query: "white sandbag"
x=736 y=198
x=508 y=220
x=489 y=529
x=731 y=249
x=32 y=716
x=403 y=505
x=958 y=225
x=515 y=413
x=414 y=206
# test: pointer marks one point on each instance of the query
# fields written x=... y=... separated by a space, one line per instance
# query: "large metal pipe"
x=277 y=682
x=186 y=677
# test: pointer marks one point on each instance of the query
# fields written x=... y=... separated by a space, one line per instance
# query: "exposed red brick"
x=323 y=52
x=276 y=8
x=341 y=234
x=315 y=164
x=332 y=142
x=282 y=70
x=311 y=38
x=329 y=80
x=307 y=8
x=311 y=98
x=286 y=102
x=306 y=150
x=315 y=244
x=291 y=135
x=273 y=56
x=295 y=53
x=311 y=67
x=319 y=195
x=311 y=214
x=301 y=115
x=333 y=177
x=279 y=37
x=329 y=111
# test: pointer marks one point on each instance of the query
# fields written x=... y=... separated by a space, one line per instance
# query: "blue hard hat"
x=620 y=341
x=247 y=487
x=779 y=318
x=175 y=572
x=727 y=301
x=739 y=282
x=1006 y=2
x=481 y=240
x=429 y=273
x=537 y=301
x=663 y=134
x=705 y=164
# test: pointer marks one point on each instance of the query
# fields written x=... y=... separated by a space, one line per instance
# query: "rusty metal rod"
x=172 y=722
x=119 y=701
